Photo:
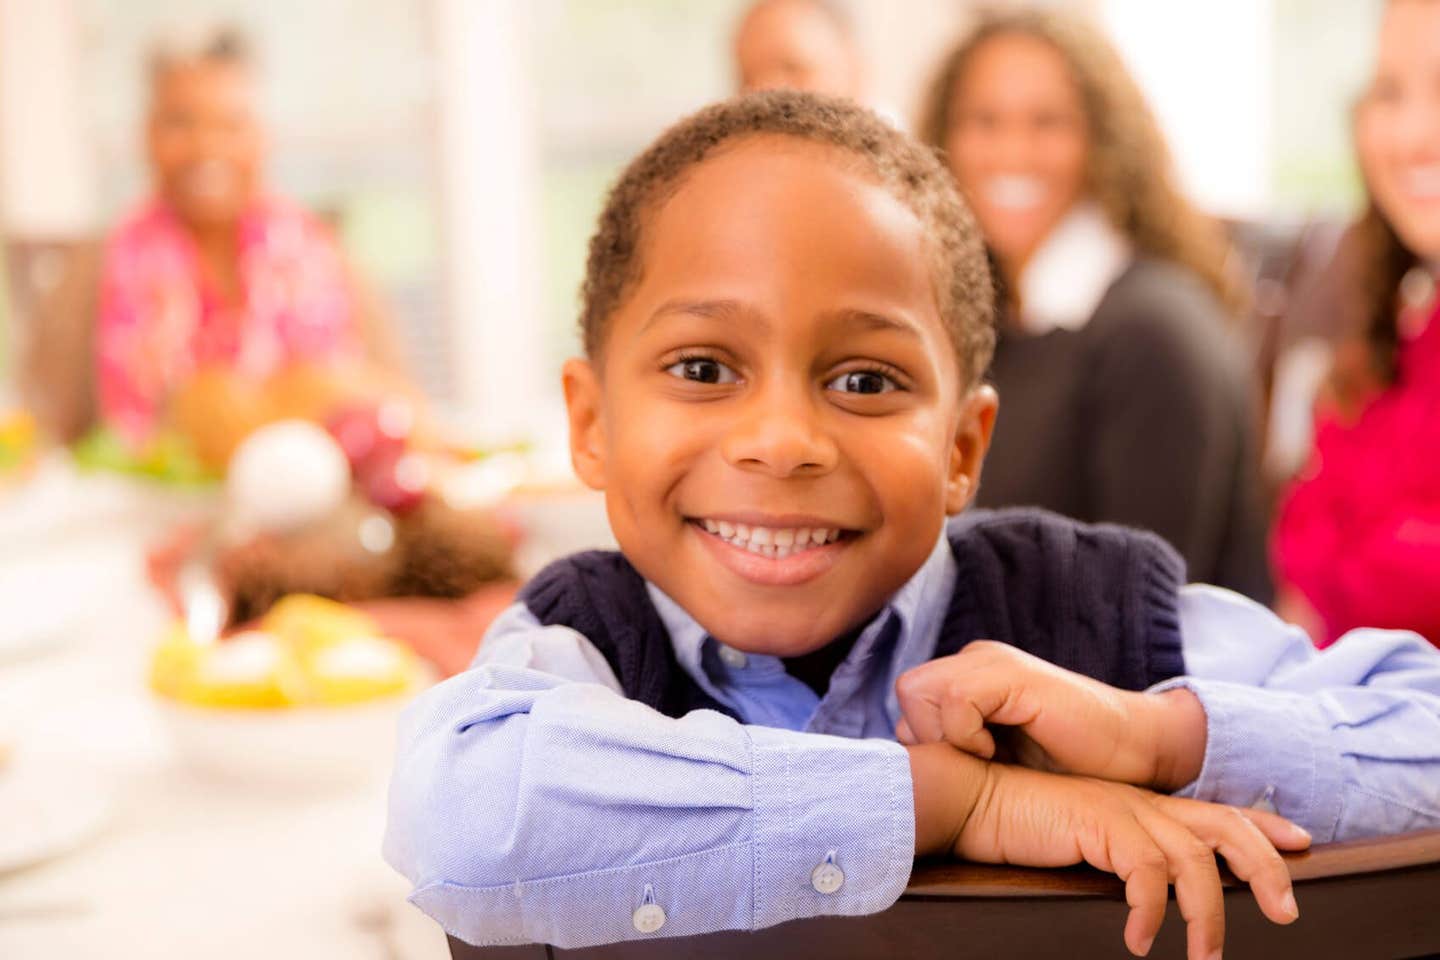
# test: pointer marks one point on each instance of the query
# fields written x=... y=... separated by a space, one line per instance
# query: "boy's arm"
x=525 y=807
x=992 y=813
x=1345 y=741
x=531 y=807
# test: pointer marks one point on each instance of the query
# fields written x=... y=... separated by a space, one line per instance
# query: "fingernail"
x=1289 y=905
x=1217 y=955
x=1301 y=832
x=1145 y=947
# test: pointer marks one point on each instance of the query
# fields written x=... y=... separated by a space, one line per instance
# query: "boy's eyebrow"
x=709 y=309
x=732 y=309
x=874 y=321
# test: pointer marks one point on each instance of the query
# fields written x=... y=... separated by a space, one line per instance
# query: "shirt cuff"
x=817 y=802
x=1266 y=746
x=823 y=804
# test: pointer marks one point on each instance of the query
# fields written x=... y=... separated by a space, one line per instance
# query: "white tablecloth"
x=183 y=866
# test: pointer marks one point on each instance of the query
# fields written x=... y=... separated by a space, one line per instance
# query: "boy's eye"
x=703 y=370
x=862 y=381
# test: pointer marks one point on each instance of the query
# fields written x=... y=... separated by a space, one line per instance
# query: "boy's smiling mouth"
x=783 y=551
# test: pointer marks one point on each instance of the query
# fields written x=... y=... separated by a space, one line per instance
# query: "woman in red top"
x=1357 y=541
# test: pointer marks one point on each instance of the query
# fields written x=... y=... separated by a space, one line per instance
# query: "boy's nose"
x=781 y=437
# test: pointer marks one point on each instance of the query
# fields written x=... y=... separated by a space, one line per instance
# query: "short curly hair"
x=912 y=172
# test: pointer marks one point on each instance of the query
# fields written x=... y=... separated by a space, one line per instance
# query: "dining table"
x=115 y=843
x=112 y=842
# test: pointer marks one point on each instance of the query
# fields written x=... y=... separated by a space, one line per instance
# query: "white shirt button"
x=733 y=658
x=648 y=917
x=827 y=878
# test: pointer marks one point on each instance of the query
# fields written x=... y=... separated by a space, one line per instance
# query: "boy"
x=786 y=319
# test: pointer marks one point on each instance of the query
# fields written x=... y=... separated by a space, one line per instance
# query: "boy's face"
x=778 y=421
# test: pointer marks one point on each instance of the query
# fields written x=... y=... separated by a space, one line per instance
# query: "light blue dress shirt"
x=531 y=802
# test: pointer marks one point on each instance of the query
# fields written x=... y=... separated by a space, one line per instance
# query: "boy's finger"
x=930 y=715
x=1247 y=851
x=1133 y=856
x=964 y=727
x=1284 y=834
x=1148 y=893
x=904 y=734
x=1198 y=893
x=923 y=719
x=952 y=699
x=919 y=706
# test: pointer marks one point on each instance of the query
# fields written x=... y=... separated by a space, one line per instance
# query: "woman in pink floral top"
x=213 y=273
x=1357 y=541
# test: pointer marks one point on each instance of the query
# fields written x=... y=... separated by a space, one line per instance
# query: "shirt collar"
x=918 y=607
x=1064 y=282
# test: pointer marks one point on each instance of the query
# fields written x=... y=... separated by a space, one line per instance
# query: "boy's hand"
x=1064 y=721
x=990 y=813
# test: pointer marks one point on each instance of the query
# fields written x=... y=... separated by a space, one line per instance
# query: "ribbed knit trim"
x=1098 y=599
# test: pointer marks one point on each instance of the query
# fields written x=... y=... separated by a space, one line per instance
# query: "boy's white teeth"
x=778 y=542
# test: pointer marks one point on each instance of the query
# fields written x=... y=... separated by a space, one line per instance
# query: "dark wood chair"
x=1373 y=898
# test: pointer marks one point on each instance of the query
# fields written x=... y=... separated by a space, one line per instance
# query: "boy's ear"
x=972 y=439
x=587 y=428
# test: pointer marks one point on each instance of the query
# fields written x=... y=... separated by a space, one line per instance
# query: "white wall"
x=488 y=175
x=1206 y=68
x=903 y=51
x=47 y=175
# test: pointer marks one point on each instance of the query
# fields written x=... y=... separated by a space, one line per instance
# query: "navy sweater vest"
x=1099 y=600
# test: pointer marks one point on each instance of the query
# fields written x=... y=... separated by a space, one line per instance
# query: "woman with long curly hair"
x=1358 y=533
x=1125 y=396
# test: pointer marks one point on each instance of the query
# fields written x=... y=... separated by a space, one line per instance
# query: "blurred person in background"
x=218 y=307
x=1357 y=538
x=798 y=45
x=1125 y=396
x=212 y=286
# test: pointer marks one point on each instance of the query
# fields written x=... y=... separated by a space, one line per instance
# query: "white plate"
x=49 y=807
x=306 y=747
x=43 y=601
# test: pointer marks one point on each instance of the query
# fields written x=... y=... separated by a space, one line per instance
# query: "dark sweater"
x=1144 y=417
x=1100 y=600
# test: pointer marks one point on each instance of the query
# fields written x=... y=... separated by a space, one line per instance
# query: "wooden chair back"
x=1372 y=898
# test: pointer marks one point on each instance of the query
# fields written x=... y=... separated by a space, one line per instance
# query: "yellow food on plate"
x=306 y=652
x=19 y=441
x=254 y=669
x=310 y=623
x=360 y=669
x=173 y=664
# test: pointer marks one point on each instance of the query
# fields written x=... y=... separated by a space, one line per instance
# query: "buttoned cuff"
x=837 y=804
x=1266 y=745
x=545 y=911
x=833 y=833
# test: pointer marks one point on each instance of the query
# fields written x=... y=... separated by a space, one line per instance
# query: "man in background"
x=799 y=45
